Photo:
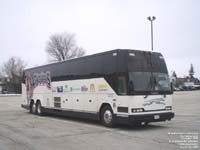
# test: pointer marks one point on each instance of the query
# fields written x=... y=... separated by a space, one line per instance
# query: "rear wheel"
x=39 y=108
x=32 y=108
x=107 y=117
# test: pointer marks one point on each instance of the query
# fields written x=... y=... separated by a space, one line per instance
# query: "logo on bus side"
x=37 y=79
x=92 y=88
x=84 y=88
x=42 y=79
x=156 y=101
x=102 y=87
x=59 y=89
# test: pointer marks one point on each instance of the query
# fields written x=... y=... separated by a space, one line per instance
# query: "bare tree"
x=62 y=46
x=12 y=73
x=13 y=70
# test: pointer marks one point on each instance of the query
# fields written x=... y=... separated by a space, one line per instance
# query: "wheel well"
x=38 y=101
x=102 y=106
x=32 y=101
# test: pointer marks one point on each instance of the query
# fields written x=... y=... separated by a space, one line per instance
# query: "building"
x=187 y=83
x=6 y=87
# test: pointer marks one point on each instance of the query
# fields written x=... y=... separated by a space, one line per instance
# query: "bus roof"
x=92 y=55
x=103 y=64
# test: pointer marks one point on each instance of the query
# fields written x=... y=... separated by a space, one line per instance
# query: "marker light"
x=131 y=54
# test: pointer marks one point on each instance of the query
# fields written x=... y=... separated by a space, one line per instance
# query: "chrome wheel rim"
x=107 y=116
x=39 y=109
x=33 y=108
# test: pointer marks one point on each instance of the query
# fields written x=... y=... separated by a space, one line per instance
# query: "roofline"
x=101 y=53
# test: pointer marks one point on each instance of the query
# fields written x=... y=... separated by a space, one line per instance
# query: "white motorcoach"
x=118 y=86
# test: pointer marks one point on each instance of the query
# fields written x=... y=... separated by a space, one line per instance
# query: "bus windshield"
x=148 y=82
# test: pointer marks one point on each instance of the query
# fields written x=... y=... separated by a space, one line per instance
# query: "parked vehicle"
x=118 y=86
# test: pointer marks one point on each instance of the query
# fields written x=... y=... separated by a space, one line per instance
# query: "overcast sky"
x=101 y=25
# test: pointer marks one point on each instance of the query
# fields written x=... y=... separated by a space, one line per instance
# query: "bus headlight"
x=134 y=110
x=168 y=108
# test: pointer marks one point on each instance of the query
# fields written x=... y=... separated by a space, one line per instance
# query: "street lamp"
x=151 y=19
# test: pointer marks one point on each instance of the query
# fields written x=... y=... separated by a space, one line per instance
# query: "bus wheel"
x=107 y=116
x=38 y=108
x=32 y=108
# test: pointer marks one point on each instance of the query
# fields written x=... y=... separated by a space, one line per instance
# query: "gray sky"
x=101 y=25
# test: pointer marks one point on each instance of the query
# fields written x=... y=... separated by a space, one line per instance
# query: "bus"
x=117 y=86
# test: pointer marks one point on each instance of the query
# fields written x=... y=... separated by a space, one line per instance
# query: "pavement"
x=20 y=130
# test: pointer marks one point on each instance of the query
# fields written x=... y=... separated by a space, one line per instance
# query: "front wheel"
x=107 y=117
x=39 y=108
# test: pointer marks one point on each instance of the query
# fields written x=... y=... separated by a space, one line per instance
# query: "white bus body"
x=94 y=98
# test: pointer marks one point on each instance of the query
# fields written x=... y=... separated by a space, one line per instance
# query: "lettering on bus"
x=75 y=88
x=67 y=88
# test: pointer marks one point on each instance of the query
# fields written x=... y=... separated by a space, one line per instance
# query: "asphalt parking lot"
x=20 y=130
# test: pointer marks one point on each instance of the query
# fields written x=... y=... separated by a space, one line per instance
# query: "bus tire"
x=32 y=107
x=107 y=117
x=39 y=108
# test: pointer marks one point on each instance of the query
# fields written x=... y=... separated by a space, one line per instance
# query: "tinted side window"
x=93 y=65
x=121 y=85
x=109 y=63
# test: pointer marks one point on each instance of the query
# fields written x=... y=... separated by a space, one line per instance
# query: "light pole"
x=151 y=19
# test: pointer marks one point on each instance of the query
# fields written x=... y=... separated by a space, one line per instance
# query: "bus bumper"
x=25 y=106
x=134 y=119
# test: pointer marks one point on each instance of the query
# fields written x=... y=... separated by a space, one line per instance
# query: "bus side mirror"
x=172 y=87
